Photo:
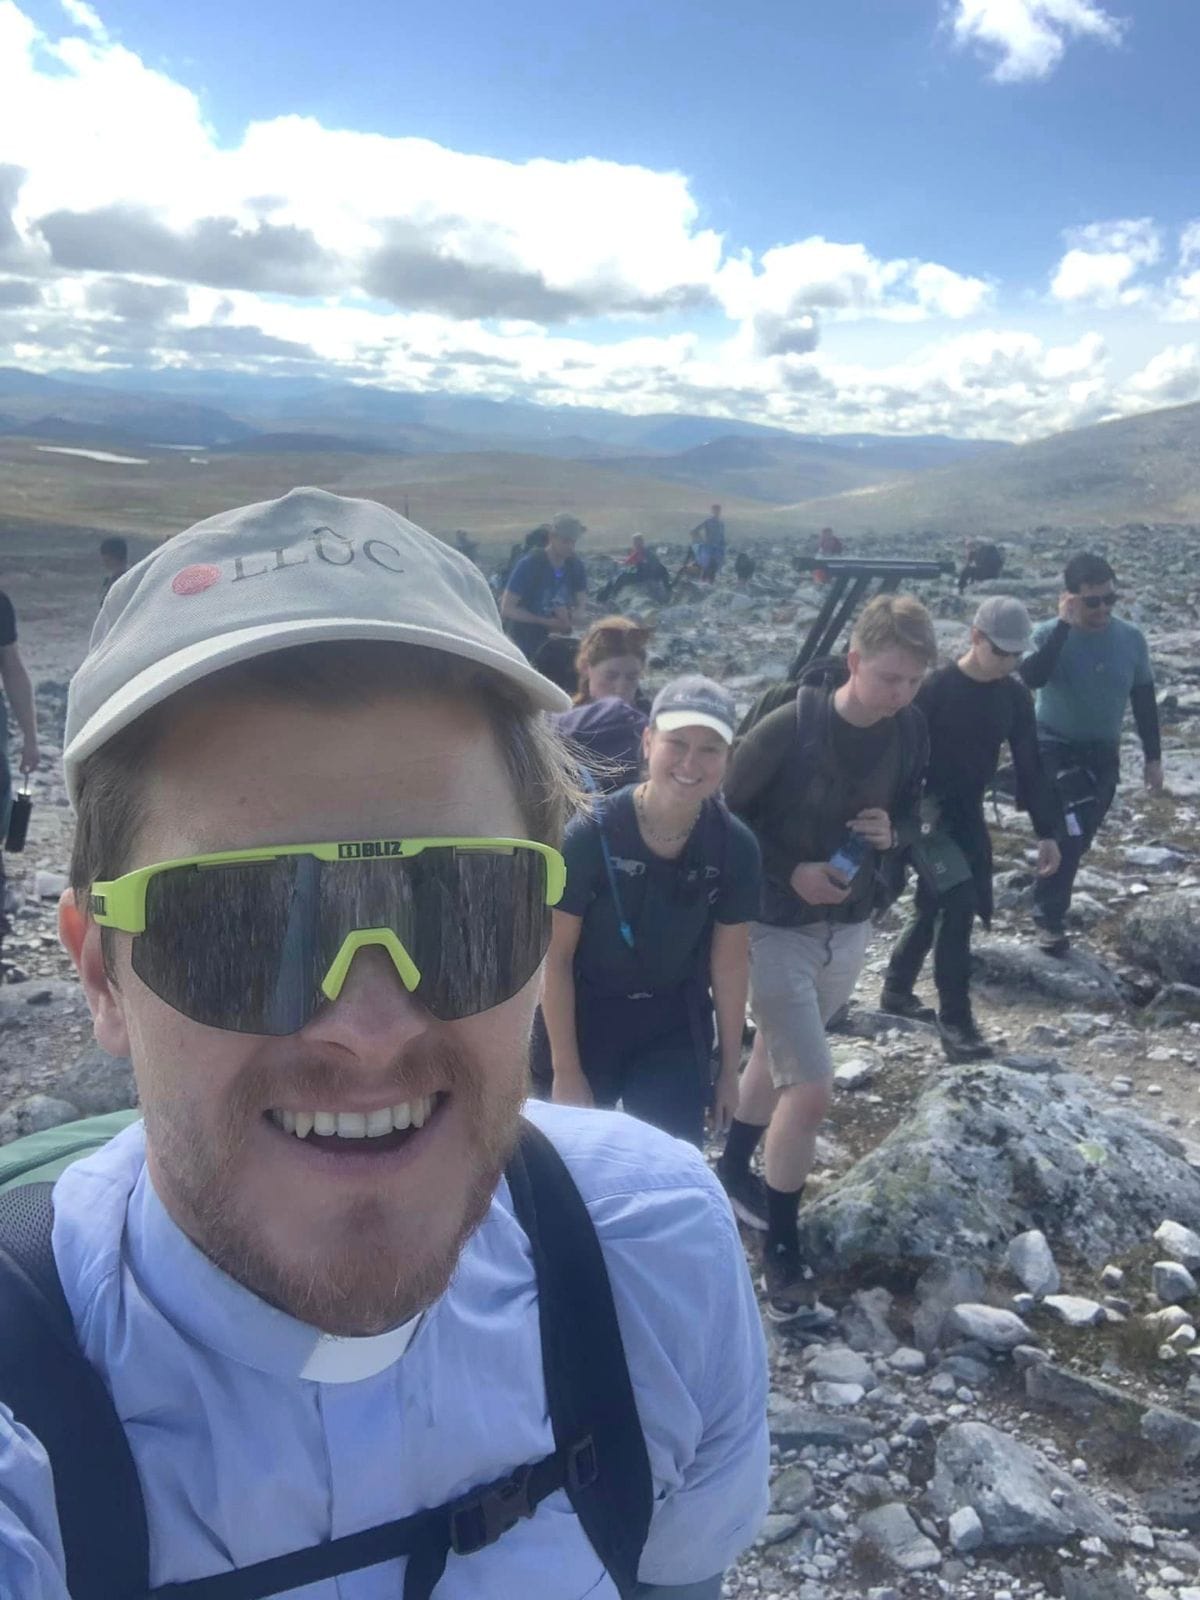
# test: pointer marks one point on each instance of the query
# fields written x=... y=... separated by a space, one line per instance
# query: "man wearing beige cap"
x=350 y=1321
x=972 y=706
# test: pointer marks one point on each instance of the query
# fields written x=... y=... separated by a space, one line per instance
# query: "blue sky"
x=974 y=216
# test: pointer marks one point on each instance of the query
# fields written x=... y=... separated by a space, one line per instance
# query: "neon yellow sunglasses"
x=256 y=941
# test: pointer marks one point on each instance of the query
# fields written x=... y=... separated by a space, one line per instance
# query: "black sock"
x=782 y=1206
x=741 y=1142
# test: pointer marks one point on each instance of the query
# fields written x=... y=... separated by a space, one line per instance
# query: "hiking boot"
x=785 y=1281
x=747 y=1195
x=962 y=1041
x=1053 y=941
x=904 y=1003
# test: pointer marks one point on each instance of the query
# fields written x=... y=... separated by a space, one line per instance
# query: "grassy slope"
x=1138 y=469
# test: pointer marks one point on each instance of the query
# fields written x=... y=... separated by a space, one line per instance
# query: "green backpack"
x=42 y=1157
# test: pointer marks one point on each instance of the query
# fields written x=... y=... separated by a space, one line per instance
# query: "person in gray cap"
x=652 y=934
x=346 y=1313
x=972 y=706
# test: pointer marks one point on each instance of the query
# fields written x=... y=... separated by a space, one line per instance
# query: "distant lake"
x=92 y=455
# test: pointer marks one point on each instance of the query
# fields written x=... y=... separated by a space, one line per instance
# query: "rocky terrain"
x=999 y=1395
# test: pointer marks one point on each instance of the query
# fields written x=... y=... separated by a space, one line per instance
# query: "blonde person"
x=650 y=938
x=830 y=784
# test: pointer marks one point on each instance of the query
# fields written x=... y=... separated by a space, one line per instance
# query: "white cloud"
x=796 y=286
x=1103 y=259
x=1170 y=378
x=1028 y=38
x=84 y=16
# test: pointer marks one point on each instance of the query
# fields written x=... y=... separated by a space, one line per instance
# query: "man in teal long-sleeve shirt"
x=1085 y=667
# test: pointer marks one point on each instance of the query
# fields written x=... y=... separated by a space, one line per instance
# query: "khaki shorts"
x=799 y=977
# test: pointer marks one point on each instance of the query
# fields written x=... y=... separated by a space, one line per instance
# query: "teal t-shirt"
x=1089 y=688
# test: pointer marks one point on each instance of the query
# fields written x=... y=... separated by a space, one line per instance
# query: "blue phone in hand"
x=849 y=856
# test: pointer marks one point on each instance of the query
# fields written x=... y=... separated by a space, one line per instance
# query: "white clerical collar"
x=335 y=1359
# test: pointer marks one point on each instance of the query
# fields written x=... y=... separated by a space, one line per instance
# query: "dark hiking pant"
x=1085 y=778
x=651 y=1054
x=941 y=923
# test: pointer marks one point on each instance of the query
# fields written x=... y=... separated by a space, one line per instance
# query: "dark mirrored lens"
x=482 y=925
x=234 y=946
x=245 y=947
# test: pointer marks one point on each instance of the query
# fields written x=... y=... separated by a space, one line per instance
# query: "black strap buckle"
x=480 y=1519
x=583 y=1468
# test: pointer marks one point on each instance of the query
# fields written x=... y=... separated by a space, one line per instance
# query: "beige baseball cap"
x=308 y=567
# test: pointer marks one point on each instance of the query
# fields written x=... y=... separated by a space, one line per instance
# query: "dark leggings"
x=653 y=1055
x=941 y=923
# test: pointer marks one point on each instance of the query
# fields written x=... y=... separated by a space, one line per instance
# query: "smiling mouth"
x=359 y=1133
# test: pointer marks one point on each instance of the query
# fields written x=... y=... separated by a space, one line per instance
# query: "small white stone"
x=966 y=1530
x=1075 y=1310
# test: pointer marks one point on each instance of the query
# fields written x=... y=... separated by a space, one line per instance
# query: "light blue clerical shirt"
x=255 y=1435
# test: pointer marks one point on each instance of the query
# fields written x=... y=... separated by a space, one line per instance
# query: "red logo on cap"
x=194 y=580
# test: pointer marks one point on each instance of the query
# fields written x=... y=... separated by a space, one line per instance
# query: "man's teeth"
x=357 y=1124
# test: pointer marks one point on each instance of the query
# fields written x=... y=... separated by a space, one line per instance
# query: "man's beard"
x=366 y=1284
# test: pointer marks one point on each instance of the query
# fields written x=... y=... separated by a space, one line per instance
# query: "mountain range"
x=497 y=467
x=251 y=413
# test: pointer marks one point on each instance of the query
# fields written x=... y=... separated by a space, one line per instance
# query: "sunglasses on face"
x=256 y=941
x=1007 y=655
x=1094 y=601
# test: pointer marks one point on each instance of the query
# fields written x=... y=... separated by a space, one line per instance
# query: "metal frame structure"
x=849 y=581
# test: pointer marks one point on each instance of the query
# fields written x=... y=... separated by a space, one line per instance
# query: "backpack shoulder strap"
x=812 y=723
x=914 y=745
x=52 y=1390
x=588 y=1389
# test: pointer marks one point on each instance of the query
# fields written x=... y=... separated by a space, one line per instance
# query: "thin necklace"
x=639 y=801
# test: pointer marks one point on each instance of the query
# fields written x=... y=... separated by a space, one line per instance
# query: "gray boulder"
x=98 y=1082
x=990 y=1326
x=34 y=1114
x=988 y=1153
x=1078 y=979
x=1172 y=1282
x=1179 y=1243
x=1010 y=1487
x=1162 y=932
x=895 y=1535
x=1032 y=1261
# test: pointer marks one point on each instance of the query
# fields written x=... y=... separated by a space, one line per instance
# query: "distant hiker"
x=18 y=694
x=467 y=546
x=545 y=588
x=981 y=560
x=972 y=707
x=830 y=783
x=650 y=937
x=707 y=540
x=828 y=544
x=641 y=568
x=1085 y=666
x=114 y=558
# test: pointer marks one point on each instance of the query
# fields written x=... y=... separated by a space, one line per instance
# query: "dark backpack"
x=827 y=672
x=610 y=729
x=599 y=1458
x=810 y=695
